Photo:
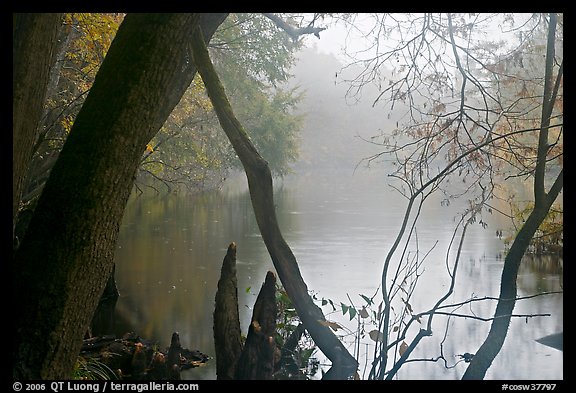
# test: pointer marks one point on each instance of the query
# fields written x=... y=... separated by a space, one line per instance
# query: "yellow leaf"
x=149 y=148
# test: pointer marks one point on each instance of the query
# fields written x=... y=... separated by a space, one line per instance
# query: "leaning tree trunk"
x=66 y=257
x=488 y=351
x=33 y=54
x=261 y=193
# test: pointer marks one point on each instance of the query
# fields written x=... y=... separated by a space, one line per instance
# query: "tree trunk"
x=488 y=351
x=103 y=319
x=261 y=193
x=66 y=257
x=33 y=54
x=257 y=359
x=227 y=334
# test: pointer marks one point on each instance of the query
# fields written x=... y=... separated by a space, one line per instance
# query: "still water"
x=340 y=225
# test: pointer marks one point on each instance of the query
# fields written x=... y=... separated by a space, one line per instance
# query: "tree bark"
x=257 y=358
x=261 y=193
x=66 y=257
x=227 y=334
x=103 y=320
x=33 y=54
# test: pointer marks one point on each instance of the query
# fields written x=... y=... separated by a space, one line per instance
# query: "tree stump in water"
x=258 y=355
x=227 y=335
x=174 y=357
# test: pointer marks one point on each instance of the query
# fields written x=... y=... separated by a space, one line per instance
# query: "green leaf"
x=352 y=312
x=367 y=300
x=306 y=353
x=332 y=304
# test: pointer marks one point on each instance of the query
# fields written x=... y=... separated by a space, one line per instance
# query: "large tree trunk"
x=261 y=193
x=66 y=257
x=33 y=54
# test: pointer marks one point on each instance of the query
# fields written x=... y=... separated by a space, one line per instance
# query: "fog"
x=338 y=125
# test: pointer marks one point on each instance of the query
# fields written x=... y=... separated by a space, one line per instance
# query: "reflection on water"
x=339 y=226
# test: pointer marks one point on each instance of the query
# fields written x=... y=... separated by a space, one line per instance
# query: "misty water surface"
x=339 y=225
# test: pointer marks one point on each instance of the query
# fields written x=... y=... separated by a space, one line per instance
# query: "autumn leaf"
x=438 y=107
x=375 y=335
x=332 y=325
x=403 y=348
x=363 y=313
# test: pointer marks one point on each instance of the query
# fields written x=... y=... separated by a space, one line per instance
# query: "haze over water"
x=339 y=226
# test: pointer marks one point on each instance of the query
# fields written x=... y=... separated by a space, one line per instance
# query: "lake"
x=340 y=225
